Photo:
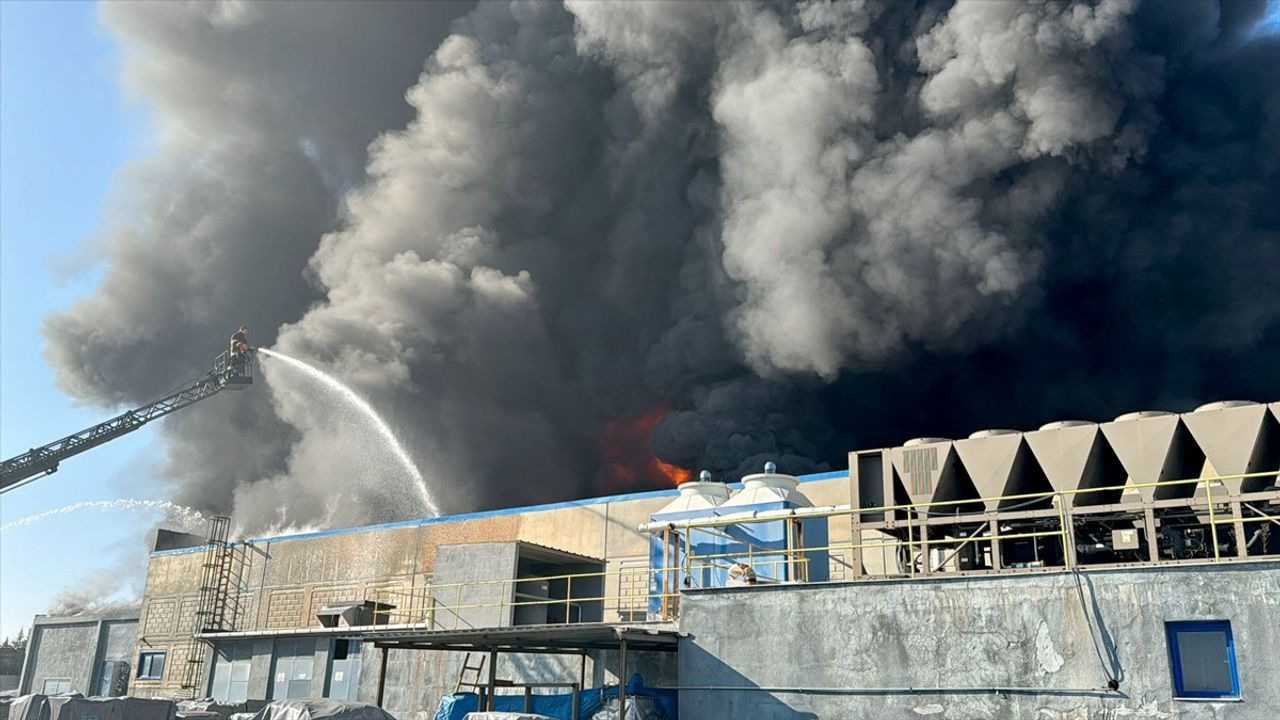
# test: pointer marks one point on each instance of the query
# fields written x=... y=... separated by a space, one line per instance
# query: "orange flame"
x=628 y=457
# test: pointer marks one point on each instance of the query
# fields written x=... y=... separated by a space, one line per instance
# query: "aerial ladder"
x=231 y=371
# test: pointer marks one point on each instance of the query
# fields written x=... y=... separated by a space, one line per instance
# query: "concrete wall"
x=461 y=578
x=1025 y=630
x=74 y=648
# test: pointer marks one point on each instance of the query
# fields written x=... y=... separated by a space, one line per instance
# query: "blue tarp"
x=456 y=707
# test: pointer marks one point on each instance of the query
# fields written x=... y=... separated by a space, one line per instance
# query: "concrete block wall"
x=875 y=637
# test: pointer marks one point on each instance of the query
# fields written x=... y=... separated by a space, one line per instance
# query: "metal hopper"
x=1238 y=438
x=1154 y=446
x=1000 y=463
x=1075 y=455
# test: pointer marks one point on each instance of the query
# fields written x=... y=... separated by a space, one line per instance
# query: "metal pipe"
x=819 y=690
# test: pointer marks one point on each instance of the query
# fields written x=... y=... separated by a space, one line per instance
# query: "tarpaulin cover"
x=560 y=707
x=186 y=707
x=83 y=708
x=199 y=715
x=321 y=710
x=132 y=708
x=504 y=716
x=29 y=707
x=668 y=701
x=457 y=707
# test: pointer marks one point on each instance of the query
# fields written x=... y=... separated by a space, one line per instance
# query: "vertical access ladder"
x=221 y=573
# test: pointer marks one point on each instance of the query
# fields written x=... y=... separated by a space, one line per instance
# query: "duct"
x=1000 y=463
x=1237 y=438
x=356 y=613
x=929 y=470
x=1154 y=446
x=1075 y=455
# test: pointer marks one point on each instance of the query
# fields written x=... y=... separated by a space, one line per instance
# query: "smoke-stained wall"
x=788 y=229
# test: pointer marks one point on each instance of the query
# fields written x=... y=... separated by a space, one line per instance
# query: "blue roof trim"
x=421 y=522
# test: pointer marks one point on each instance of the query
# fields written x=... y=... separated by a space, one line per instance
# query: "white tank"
x=699 y=495
x=770 y=487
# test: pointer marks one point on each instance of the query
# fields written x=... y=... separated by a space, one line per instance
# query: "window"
x=1203 y=657
x=56 y=686
x=151 y=666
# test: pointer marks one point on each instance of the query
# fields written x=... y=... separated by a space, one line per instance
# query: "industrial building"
x=1120 y=569
x=85 y=654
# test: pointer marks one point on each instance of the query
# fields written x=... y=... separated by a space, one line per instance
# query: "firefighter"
x=239 y=349
x=240 y=341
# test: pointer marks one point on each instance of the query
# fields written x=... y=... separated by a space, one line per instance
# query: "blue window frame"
x=1203 y=659
x=151 y=666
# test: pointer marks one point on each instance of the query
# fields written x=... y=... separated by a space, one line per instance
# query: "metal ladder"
x=218 y=577
x=477 y=683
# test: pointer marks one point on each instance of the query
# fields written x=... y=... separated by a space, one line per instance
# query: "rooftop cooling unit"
x=929 y=470
x=1076 y=456
x=1154 y=446
x=1000 y=464
x=766 y=489
x=766 y=545
x=696 y=498
x=1238 y=438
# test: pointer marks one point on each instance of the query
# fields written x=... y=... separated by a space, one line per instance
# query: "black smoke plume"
x=790 y=229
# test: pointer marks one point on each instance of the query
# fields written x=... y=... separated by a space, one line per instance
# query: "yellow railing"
x=444 y=606
x=440 y=606
x=792 y=556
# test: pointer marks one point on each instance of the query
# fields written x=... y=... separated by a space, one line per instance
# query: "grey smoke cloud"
x=792 y=230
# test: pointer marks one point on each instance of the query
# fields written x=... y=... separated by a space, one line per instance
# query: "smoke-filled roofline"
x=419 y=522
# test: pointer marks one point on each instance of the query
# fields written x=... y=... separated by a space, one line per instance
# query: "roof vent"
x=704 y=476
x=991 y=433
x=1225 y=405
x=1141 y=414
x=924 y=441
x=771 y=468
x=1060 y=424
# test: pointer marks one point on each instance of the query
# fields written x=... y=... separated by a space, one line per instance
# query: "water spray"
x=366 y=410
x=186 y=518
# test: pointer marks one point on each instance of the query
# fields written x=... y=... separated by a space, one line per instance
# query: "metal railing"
x=917 y=514
x=443 y=606
x=600 y=595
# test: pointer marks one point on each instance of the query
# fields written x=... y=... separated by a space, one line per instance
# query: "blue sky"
x=64 y=131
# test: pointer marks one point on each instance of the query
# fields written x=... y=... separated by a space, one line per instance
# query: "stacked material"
x=321 y=710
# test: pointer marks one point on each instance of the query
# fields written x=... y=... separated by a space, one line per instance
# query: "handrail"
x=841 y=510
x=650 y=584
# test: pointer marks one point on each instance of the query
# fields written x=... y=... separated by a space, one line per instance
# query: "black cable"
x=1113 y=682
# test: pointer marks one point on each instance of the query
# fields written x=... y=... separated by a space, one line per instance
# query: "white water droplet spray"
x=383 y=430
x=186 y=518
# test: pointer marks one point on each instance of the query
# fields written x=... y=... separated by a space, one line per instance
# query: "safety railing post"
x=568 y=595
x=1213 y=520
x=1068 y=532
x=911 y=548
